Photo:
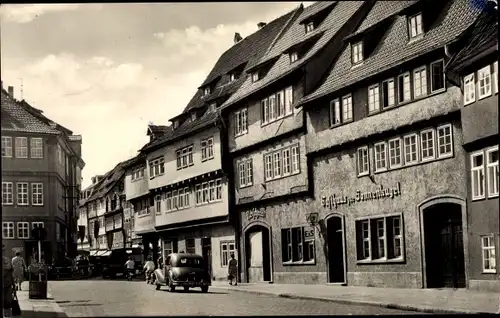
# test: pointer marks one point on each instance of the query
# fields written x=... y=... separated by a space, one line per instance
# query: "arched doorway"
x=336 y=249
x=258 y=254
x=443 y=244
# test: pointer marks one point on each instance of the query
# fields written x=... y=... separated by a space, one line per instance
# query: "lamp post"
x=39 y=234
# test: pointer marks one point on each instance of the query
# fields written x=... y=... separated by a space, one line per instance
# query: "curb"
x=361 y=302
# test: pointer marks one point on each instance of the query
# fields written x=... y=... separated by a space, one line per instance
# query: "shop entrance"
x=336 y=251
x=444 y=247
x=206 y=250
x=258 y=254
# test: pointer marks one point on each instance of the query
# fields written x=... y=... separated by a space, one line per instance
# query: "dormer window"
x=357 y=52
x=176 y=124
x=255 y=77
x=206 y=91
x=309 y=27
x=232 y=77
x=415 y=26
x=212 y=108
x=193 y=116
x=294 y=56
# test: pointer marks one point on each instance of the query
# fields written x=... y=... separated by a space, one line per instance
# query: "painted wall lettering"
x=381 y=193
x=255 y=214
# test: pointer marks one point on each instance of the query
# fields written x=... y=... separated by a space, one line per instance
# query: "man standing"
x=232 y=270
x=19 y=266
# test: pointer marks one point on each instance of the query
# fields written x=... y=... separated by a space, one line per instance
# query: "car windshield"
x=189 y=262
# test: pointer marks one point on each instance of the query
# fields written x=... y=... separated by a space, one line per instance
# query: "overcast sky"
x=105 y=70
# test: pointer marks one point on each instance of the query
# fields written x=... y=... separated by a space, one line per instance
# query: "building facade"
x=474 y=68
x=41 y=177
x=385 y=145
x=267 y=144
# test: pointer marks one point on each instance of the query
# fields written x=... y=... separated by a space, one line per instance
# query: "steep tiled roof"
x=17 y=117
x=158 y=129
x=295 y=34
x=394 y=49
x=109 y=180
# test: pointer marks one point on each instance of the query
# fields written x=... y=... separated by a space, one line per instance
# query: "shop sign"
x=255 y=214
x=334 y=201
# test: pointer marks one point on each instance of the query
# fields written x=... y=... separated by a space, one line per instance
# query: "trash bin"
x=37 y=281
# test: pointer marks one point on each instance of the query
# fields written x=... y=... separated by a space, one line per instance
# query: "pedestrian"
x=160 y=262
x=19 y=266
x=130 y=267
x=8 y=284
x=232 y=270
x=149 y=267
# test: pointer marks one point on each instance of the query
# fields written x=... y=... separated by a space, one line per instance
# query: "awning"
x=93 y=253
x=105 y=253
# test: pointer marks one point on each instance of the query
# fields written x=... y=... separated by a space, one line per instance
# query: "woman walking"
x=232 y=270
x=19 y=266
x=8 y=284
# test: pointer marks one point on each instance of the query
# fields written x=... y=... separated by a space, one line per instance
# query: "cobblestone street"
x=121 y=298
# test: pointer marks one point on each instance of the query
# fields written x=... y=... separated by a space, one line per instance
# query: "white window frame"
x=347 y=108
x=398 y=237
x=439 y=128
x=207 y=149
x=469 y=89
x=286 y=157
x=406 y=88
x=357 y=53
x=367 y=163
x=240 y=122
x=433 y=134
x=422 y=80
x=378 y=157
x=309 y=27
x=226 y=253
x=157 y=167
x=21 y=150
x=484 y=74
x=21 y=195
x=168 y=203
x=36 y=148
x=390 y=146
x=495 y=77
x=391 y=98
x=289 y=100
x=294 y=57
x=157 y=204
x=187 y=194
x=480 y=170
x=184 y=158
x=489 y=177
x=277 y=164
x=366 y=239
x=491 y=248
x=255 y=77
x=42 y=225
x=417 y=149
x=245 y=172
x=37 y=194
x=381 y=239
x=23 y=230
x=335 y=112
x=206 y=91
x=6 y=147
x=9 y=226
x=198 y=194
x=218 y=189
x=415 y=26
x=431 y=70
x=295 y=155
x=9 y=194
x=373 y=99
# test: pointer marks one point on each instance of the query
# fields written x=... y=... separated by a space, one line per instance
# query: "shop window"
x=492 y=171
x=227 y=248
x=190 y=246
x=489 y=255
x=477 y=175
x=298 y=245
x=379 y=239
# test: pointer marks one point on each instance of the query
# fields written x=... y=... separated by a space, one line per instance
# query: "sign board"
x=334 y=201
x=255 y=214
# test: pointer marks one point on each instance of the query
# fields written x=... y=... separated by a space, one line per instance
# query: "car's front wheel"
x=204 y=289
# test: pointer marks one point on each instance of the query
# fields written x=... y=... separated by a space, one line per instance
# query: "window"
x=363 y=166
x=295 y=159
x=379 y=239
x=380 y=157
x=347 y=108
x=158 y=204
x=437 y=76
x=268 y=167
x=6 y=147
x=298 y=245
x=175 y=201
x=357 y=53
x=477 y=171
x=187 y=192
x=255 y=77
x=227 y=248
x=373 y=99
x=444 y=145
x=207 y=149
x=294 y=57
x=415 y=26
x=156 y=167
x=59 y=153
x=277 y=106
x=335 y=112
x=212 y=108
x=309 y=27
x=245 y=171
x=280 y=104
x=395 y=153
x=232 y=77
x=489 y=255
x=168 y=248
x=206 y=192
x=206 y=91
x=8 y=230
x=22 y=193
x=240 y=119
x=492 y=171
x=404 y=89
x=484 y=82
x=495 y=77
x=199 y=196
x=469 y=89
x=218 y=189
x=168 y=199
x=176 y=124
x=7 y=193
x=341 y=113
x=289 y=100
x=137 y=174
x=427 y=144
x=193 y=116
x=37 y=193
x=419 y=82
x=287 y=164
x=388 y=93
x=410 y=149
x=21 y=147
x=190 y=246
x=23 y=230
x=277 y=164
x=36 y=148
x=39 y=225
x=211 y=191
x=282 y=163
x=185 y=157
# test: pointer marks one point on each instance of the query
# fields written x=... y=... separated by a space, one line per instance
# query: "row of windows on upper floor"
x=480 y=184
x=22 y=193
x=21 y=147
x=481 y=86
x=23 y=229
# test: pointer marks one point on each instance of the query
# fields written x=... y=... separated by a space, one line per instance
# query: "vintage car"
x=183 y=270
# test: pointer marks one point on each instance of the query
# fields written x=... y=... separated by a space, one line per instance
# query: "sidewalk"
x=38 y=308
x=422 y=300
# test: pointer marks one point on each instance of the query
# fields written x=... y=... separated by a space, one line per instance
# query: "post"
x=39 y=258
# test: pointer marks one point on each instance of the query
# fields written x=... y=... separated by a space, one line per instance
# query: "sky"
x=105 y=71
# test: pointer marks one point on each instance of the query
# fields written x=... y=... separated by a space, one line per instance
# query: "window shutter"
x=389 y=237
x=284 y=245
x=374 y=239
x=359 y=240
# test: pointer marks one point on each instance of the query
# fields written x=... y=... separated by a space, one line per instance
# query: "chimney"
x=260 y=25
x=237 y=37
x=11 y=91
